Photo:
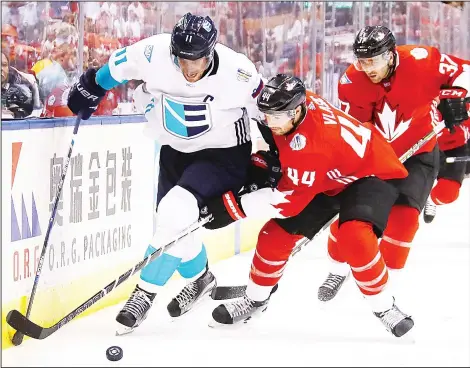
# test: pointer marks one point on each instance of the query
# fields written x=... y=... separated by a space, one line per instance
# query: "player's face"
x=283 y=122
x=280 y=122
x=375 y=67
x=193 y=69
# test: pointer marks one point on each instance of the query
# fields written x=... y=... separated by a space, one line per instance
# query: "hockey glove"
x=85 y=95
x=265 y=171
x=223 y=210
x=453 y=106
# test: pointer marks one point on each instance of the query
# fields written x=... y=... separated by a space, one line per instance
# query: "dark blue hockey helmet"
x=193 y=37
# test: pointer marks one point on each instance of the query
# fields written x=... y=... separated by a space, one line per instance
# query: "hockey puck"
x=114 y=353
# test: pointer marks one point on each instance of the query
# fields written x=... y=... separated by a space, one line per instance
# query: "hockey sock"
x=338 y=264
x=273 y=249
x=359 y=246
x=446 y=191
x=403 y=223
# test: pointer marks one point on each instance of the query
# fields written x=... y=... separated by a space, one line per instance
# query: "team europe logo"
x=186 y=120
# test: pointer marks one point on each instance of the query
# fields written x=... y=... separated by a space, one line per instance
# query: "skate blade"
x=122 y=330
x=222 y=326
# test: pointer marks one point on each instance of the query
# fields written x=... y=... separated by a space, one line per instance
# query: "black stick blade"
x=228 y=292
x=20 y=323
x=232 y=292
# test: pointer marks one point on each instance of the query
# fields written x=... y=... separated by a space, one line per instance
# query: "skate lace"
x=392 y=317
x=430 y=208
x=138 y=303
x=333 y=281
x=187 y=295
x=240 y=307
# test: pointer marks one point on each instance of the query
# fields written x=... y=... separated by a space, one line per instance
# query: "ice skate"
x=429 y=211
x=240 y=310
x=395 y=321
x=134 y=311
x=330 y=287
x=192 y=294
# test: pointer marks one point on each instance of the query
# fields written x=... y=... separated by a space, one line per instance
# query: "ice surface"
x=296 y=329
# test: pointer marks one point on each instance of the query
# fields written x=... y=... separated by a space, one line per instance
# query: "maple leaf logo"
x=389 y=127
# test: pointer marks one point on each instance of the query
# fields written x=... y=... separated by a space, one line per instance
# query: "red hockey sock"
x=359 y=246
x=403 y=223
x=273 y=249
x=446 y=191
x=333 y=249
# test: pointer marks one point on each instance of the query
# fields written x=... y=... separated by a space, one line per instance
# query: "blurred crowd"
x=47 y=45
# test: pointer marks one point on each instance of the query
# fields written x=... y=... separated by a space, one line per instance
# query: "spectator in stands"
x=52 y=72
x=138 y=10
x=17 y=92
x=134 y=24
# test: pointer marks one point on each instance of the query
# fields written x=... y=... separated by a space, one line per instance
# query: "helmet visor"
x=374 y=63
x=277 y=119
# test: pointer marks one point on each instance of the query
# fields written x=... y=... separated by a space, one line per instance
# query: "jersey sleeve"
x=348 y=93
x=449 y=69
x=127 y=63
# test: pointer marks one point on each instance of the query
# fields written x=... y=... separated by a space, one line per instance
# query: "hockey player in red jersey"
x=451 y=175
x=331 y=163
x=395 y=88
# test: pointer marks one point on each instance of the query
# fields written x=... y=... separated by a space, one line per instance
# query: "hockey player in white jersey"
x=197 y=97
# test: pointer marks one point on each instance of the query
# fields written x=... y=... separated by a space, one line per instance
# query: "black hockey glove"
x=265 y=171
x=453 y=106
x=85 y=95
x=223 y=210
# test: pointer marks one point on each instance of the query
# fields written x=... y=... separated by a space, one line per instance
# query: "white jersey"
x=213 y=112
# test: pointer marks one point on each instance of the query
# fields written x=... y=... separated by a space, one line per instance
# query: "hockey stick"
x=22 y=324
x=451 y=160
x=18 y=336
x=231 y=292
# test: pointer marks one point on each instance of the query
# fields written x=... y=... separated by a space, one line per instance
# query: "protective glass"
x=374 y=63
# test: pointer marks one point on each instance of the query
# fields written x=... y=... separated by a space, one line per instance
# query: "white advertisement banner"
x=105 y=212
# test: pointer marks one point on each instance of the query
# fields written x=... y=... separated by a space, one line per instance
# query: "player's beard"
x=284 y=130
x=376 y=76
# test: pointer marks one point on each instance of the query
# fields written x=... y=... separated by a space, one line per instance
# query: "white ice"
x=296 y=329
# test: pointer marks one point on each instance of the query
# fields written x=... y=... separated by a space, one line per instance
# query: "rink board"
x=105 y=218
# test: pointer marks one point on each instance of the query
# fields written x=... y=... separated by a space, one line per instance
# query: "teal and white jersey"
x=213 y=112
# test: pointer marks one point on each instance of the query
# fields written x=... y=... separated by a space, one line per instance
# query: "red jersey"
x=107 y=104
x=56 y=103
x=403 y=108
x=328 y=151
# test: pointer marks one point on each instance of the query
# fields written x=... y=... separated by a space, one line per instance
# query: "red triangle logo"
x=15 y=157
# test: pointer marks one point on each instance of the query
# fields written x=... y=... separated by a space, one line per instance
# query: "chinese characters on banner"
x=90 y=201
